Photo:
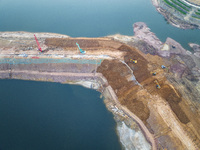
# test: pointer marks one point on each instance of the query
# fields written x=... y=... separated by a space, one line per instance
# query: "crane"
x=81 y=51
x=39 y=48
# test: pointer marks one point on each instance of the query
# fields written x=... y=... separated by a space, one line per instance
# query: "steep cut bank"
x=168 y=117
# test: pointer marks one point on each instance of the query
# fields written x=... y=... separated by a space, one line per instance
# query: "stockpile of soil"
x=173 y=99
x=83 y=43
x=140 y=69
x=68 y=42
x=116 y=73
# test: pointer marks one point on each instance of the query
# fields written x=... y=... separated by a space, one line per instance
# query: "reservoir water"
x=54 y=116
x=88 y=18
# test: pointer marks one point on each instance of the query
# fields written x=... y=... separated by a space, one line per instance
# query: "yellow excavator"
x=134 y=61
x=157 y=84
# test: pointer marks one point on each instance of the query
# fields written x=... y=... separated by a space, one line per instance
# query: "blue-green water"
x=17 y=61
x=53 y=116
x=88 y=18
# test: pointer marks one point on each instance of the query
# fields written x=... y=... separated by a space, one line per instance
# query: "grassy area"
x=170 y=4
x=180 y=5
x=184 y=4
x=197 y=13
x=196 y=17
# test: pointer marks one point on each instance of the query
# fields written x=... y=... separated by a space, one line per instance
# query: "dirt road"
x=148 y=135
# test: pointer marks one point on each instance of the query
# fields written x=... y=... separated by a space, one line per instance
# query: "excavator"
x=153 y=73
x=81 y=51
x=39 y=48
x=157 y=84
x=134 y=61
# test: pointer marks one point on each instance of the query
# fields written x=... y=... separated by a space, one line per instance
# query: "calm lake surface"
x=54 y=116
x=88 y=18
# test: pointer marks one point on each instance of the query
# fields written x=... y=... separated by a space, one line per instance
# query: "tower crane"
x=39 y=48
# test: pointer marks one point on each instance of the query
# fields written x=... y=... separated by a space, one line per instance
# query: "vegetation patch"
x=170 y=4
x=197 y=13
x=184 y=4
x=179 y=5
x=195 y=17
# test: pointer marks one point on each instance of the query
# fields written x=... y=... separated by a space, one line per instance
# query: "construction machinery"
x=153 y=73
x=39 y=48
x=134 y=61
x=163 y=67
x=81 y=51
x=157 y=84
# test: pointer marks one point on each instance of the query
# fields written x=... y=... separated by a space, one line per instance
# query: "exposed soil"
x=66 y=42
x=173 y=99
x=115 y=72
x=140 y=69
x=85 y=43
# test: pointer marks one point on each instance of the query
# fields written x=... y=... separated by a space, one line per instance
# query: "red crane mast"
x=39 y=48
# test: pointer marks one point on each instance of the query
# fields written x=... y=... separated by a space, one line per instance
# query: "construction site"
x=156 y=92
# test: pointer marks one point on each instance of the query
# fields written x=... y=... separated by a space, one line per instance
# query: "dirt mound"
x=89 y=44
x=68 y=42
x=116 y=74
x=140 y=69
x=173 y=99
